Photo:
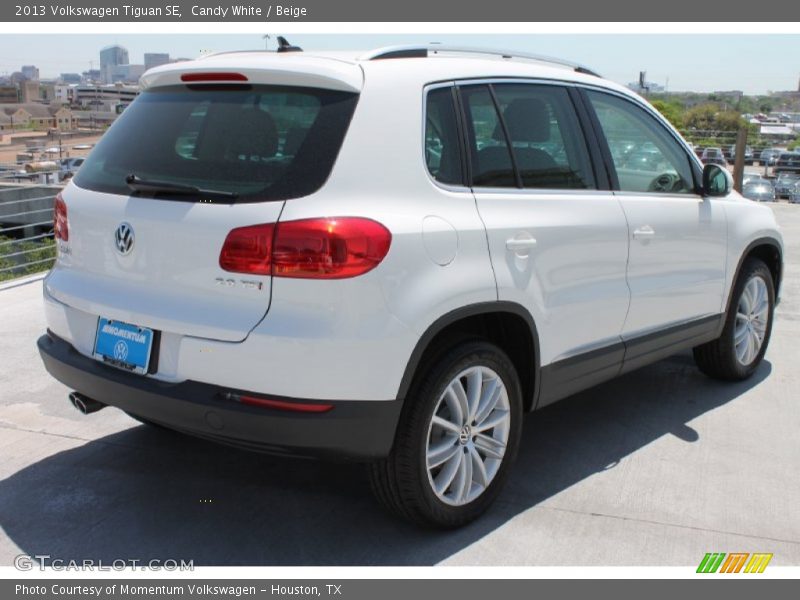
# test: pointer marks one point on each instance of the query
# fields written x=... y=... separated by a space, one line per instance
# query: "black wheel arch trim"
x=762 y=241
x=464 y=312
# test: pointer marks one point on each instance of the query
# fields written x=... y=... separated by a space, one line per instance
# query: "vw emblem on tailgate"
x=123 y=238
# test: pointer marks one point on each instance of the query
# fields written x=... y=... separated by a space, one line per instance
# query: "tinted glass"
x=491 y=159
x=546 y=138
x=442 y=147
x=718 y=182
x=646 y=156
x=259 y=142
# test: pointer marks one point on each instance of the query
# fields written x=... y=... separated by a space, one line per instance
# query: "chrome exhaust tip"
x=84 y=404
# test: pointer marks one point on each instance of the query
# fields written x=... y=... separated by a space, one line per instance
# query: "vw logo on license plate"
x=121 y=350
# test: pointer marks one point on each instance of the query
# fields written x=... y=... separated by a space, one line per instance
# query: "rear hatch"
x=150 y=208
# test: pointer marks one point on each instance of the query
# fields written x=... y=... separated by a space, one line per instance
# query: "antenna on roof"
x=285 y=46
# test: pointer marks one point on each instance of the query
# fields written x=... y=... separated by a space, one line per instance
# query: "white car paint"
x=676 y=261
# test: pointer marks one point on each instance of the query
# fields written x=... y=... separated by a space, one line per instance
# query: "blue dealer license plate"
x=123 y=345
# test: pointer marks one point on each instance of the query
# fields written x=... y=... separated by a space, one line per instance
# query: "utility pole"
x=738 y=164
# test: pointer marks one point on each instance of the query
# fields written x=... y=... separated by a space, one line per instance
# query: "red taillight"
x=326 y=248
x=332 y=248
x=216 y=76
x=60 y=227
x=305 y=407
x=248 y=250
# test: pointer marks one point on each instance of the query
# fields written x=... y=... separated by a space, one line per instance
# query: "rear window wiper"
x=151 y=186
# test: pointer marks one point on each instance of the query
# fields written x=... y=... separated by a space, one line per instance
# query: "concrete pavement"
x=655 y=468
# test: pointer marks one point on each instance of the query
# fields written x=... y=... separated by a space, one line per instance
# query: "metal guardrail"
x=26 y=229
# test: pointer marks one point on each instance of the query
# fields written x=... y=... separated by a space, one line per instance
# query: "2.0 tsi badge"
x=124 y=238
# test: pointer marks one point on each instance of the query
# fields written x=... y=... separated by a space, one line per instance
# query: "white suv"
x=391 y=257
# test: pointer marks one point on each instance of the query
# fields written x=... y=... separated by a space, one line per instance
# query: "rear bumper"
x=352 y=430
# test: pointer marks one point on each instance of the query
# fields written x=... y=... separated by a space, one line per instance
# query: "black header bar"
x=444 y=11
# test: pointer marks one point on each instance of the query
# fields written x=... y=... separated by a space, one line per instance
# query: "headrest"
x=527 y=120
x=255 y=134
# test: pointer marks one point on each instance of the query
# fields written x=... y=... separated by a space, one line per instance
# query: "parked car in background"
x=643 y=160
x=752 y=178
x=788 y=162
x=785 y=183
x=69 y=166
x=748 y=154
x=769 y=156
x=760 y=190
x=794 y=194
x=713 y=156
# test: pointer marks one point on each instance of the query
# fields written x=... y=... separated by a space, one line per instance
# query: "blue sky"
x=702 y=62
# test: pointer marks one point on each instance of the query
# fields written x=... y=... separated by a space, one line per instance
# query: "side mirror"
x=717 y=181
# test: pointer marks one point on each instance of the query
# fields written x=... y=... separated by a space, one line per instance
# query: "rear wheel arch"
x=508 y=325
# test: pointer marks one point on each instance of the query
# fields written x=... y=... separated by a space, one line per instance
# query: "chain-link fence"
x=726 y=142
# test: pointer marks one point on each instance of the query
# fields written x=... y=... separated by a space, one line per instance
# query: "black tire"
x=718 y=358
x=401 y=481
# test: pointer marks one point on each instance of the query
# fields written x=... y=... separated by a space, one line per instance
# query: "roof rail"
x=423 y=51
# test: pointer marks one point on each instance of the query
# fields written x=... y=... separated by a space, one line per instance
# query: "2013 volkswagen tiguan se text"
x=390 y=257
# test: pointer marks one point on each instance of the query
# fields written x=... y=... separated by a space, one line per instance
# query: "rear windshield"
x=258 y=143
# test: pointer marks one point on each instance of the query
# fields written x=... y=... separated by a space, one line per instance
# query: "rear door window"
x=546 y=138
x=525 y=135
x=257 y=142
x=492 y=164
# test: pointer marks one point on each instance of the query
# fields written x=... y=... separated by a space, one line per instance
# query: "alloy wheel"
x=752 y=317
x=468 y=436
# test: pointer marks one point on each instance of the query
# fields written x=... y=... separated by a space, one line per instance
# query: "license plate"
x=123 y=345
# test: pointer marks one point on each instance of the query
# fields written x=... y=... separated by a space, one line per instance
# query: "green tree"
x=729 y=120
x=708 y=117
x=672 y=111
x=701 y=117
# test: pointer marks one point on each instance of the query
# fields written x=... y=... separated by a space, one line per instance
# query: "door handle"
x=521 y=243
x=645 y=231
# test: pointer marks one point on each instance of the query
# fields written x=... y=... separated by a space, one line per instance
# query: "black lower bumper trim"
x=353 y=430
